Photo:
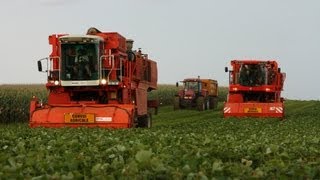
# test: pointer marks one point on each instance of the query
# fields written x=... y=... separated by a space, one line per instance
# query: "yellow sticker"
x=252 y=110
x=79 y=118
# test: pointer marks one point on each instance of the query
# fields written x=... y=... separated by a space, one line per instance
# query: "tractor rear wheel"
x=176 y=103
x=200 y=103
x=213 y=102
x=216 y=101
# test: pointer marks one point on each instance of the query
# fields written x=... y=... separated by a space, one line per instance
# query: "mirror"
x=226 y=69
x=39 y=66
x=279 y=70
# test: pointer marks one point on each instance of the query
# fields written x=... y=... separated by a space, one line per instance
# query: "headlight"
x=113 y=83
x=103 y=81
x=56 y=83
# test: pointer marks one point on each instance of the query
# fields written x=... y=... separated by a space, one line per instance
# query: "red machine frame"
x=263 y=100
x=119 y=93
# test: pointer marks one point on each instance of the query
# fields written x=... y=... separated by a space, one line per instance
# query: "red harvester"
x=95 y=80
x=254 y=89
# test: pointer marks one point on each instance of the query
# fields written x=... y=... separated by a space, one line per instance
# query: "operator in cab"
x=82 y=65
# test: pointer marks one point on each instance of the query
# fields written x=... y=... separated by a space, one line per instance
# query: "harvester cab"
x=197 y=93
x=95 y=80
x=255 y=89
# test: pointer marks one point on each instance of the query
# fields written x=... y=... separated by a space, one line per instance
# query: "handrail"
x=49 y=68
x=59 y=69
x=112 y=61
x=111 y=57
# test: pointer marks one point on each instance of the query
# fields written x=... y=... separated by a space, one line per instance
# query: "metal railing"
x=49 y=66
x=111 y=63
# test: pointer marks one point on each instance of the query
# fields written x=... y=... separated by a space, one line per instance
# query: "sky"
x=187 y=38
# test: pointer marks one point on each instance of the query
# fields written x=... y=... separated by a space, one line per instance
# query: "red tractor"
x=95 y=80
x=197 y=93
x=255 y=89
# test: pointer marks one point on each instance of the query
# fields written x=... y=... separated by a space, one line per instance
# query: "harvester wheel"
x=176 y=103
x=145 y=121
x=149 y=121
x=200 y=103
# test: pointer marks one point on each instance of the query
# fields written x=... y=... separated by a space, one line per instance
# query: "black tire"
x=207 y=104
x=200 y=103
x=145 y=121
x=149 y=121
x=176 y=103
x=135 y=121
x=216 y=101
x=211 y=103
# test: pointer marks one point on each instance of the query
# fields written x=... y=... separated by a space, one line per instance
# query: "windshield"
x=79 y=61
x=252 y=75
x=193 y=85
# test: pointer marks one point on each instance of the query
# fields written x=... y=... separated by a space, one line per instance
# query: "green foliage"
x=184 y=144
x=164 y=94
x=15 y=101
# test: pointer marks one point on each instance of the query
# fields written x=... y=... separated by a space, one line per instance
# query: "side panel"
x=141 y=100
x=114 y=41
x=137 y=69
x=235 y=98
x=154 y=75
x=211 y=86
x=125 y=97
x=58 y=98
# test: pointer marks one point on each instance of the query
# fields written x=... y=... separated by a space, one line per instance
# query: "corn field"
x=15 y=99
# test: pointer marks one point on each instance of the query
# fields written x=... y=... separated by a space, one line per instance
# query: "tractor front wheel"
x=213 y=102
x=200 y=103
x=207 y=104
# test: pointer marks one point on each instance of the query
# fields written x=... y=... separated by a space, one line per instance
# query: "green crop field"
x=184 y=144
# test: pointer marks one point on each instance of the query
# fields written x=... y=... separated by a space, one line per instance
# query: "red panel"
x=154 y=75
x=141 y=95
x=59 y=98
x=259 y=110
x=235 y=98
x=109 y=116
x=114 y=41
